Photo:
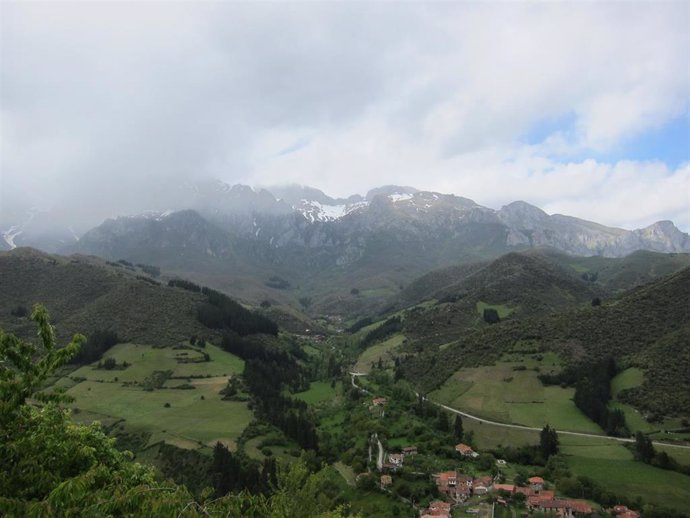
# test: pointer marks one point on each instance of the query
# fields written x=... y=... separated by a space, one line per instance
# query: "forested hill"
x=85 y=294
x=603 y=274
x=646 y=326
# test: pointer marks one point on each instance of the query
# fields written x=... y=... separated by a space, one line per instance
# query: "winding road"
x=519 y=426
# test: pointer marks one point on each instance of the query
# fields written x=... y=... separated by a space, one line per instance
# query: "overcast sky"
x=581 y=108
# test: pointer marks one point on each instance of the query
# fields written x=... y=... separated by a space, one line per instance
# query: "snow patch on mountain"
x=314 y=211
x=10 y=234
x=152 y=214
x=400 y=197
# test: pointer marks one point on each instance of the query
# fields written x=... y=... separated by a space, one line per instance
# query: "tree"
x=443 y=421
x=54 y=467
x=491 y=316
x=520 y=477
x=548 y=441
x=644 y=449
x=457 y=427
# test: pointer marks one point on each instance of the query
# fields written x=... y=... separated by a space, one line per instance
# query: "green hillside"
x=645 y=327
x=84 y=294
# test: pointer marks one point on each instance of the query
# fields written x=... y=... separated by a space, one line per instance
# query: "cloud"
x=108 y=107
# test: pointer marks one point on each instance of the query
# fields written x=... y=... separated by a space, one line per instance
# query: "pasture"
x=378 y=351
x=319 y=392
x=186 y=409
x=502 y=310
x=510 y=392
x=628 y=477
x=607 y=462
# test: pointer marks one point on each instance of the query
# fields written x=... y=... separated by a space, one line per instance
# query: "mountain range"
x=236 y=238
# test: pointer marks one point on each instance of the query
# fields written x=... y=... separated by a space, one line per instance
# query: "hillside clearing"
x=195 y=416
x=380 y=351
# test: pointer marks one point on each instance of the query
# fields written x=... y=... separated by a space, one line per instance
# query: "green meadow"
x=381 y=351
x=510 y=392
x=606 y=461
x=628 y=477
x=188 y=417
x=502 y=310
x=320 y=392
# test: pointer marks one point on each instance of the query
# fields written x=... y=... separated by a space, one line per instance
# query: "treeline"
x=644 y=451
x=231 y=473
x=592 y=393
x=221 y=312
x=268 y=370
x=154 y=271
x=97 y=343
x=185 y=285
x=362 y=322
x=390 y=326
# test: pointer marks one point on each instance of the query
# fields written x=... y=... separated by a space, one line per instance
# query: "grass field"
x=501 y=393
x=629 y=378
x=608 y=462
x=144 y=360
x=319 y=391
x=381 y=350
x=194 y=417
x=502 y=310
x=280 y=447
x=625 y=476
x=346 y=472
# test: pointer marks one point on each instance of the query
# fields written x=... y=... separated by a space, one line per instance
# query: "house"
x=437 y=509
x=564 y=508
x=454 y=485
x=387 y=466
x=534 y=499
x=386 y=480
x=527 y=491
x=378 y=401
x=396 y=459
x=439 y=506
x=622 y=511
x=466 y=451
x=508 y=488
x=409 y=450
x=482 y=485
x=536 y=483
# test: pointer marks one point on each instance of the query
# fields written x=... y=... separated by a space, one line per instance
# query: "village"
x=460 y=493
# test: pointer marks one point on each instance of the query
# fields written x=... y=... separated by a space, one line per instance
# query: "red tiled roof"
x=527 y=491
x=463 y=448
x=439 y=504
x=577 y=506
x=505 y=487
x=447 y=474
x=536 y=480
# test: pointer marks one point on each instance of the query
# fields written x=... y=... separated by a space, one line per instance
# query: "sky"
x=581 y=108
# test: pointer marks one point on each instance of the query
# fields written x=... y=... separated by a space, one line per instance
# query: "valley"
x=497 y=347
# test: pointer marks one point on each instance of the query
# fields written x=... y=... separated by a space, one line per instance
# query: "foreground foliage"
x=52 y=467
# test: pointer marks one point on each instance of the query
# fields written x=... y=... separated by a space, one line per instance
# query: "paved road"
x=379 y=456
x=521 y=427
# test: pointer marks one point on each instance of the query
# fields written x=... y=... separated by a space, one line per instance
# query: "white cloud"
x=121 y=98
